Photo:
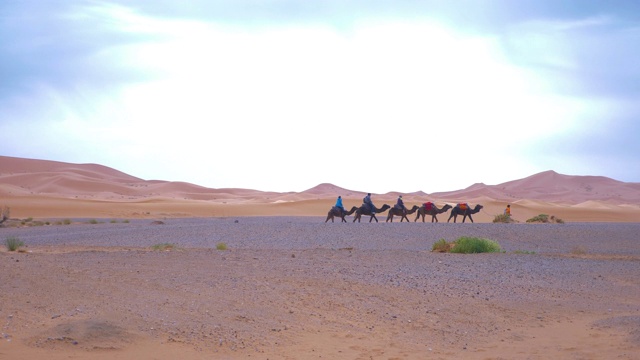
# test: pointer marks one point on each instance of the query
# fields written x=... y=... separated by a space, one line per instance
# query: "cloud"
x=284 y=95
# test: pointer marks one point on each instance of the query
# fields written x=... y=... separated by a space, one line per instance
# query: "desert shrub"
x=221 y=246
x=543 y=218
x=474 y=245
x=93 y=221
x=113 y=221
x=164 y=247
x=502 y=218
x=556 y=220
x=524 y=252
x=578 y=250
x=66 y=221
x=13 y=243
x=441 y=246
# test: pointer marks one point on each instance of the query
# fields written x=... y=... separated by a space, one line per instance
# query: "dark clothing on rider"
x=400 y=204
x=367 y=201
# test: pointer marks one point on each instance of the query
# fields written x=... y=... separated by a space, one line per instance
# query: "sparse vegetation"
x=467 y=245
x=524 y=252
x=93 y=221
x=474 y=245
x=221 y=246
x=578 y=250
x=164 y=247
x=126 y=221
x=441 y=246
x=13 y=243
x=544 y=218
x=503 y=218
x=113 y=221
x=66 y=221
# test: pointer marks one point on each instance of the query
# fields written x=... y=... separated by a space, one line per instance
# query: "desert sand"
x=290 y=286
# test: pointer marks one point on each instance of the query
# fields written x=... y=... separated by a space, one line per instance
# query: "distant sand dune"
x=41 y=188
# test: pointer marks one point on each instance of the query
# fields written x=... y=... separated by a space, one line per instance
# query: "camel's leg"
x=470 y=218
x=328 y=216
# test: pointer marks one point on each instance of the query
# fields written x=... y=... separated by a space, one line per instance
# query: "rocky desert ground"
x=299 y=288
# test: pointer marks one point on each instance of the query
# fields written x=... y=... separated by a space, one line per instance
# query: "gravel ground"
x=298 y=233
x=285 y=280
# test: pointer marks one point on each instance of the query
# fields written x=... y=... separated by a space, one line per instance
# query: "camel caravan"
x=428 y=208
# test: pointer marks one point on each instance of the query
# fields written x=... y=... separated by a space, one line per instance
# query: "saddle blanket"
x=463 y=206
x=428 y=205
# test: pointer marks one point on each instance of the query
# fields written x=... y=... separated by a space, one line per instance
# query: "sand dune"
x=42 y=188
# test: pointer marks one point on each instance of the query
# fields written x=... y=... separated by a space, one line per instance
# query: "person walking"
x=507 y=211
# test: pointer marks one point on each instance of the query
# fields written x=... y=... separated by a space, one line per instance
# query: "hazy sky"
x=283 y=95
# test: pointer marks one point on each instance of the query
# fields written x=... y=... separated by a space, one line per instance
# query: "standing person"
x=367 y=201
x=339 y=204
x=507 y=211
x=400 y=205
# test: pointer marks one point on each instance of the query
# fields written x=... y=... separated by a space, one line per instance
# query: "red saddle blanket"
x=428 y=206
x=463 y=206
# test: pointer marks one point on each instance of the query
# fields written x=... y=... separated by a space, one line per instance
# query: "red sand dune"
x=51 y=188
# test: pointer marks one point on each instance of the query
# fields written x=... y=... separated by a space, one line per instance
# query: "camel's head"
x=479 y=207
x=446 y=207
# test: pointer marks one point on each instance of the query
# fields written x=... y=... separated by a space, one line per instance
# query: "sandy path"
x=296 y=288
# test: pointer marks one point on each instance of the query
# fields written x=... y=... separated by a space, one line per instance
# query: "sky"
x=283 y=95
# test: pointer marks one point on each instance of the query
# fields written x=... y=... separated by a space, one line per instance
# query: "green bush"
x=221 y=246
x=441 y=246
x=502 y=218
x=474 y=245
x=544 y=218
x=13 y=243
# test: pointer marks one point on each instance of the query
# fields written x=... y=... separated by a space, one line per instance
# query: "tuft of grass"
x=474 y=245
x=221 y=246
x=13 y=243
x=66 y=221
x=524 y=252
x=164 y=247
x=93 y=221
x=578 y=250
x=113 y=221
x=126 y=221
x=441 y=246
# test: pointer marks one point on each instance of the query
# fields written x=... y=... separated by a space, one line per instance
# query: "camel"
x=337 y=212
x=455 y=211
x=422 y=211
x=395 y=211
x=364 y=210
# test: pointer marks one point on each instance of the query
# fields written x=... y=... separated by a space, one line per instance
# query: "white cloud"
x=382 y=106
